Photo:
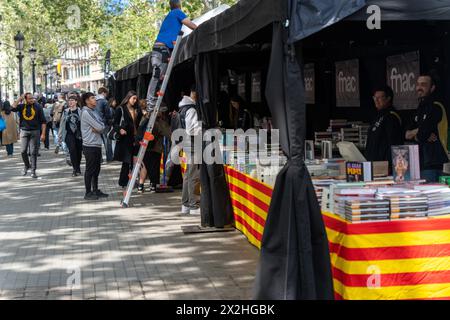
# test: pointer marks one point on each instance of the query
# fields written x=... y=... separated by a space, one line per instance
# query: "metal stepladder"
x=148 y=136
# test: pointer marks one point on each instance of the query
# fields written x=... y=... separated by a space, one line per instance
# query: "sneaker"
x=185 y=210
x=141 y=188
x=78 y=173
x=25 y=171
x=152 y=188
x=57 y=149
x=194 y=212
x=34 y=175
x=100 y=194
x=74 y=174
x=90 y=196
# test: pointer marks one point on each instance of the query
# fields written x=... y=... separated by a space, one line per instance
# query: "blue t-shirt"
x=171 y=27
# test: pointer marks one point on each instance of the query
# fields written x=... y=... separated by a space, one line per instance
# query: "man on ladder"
x=168 y=42
x=162 y=50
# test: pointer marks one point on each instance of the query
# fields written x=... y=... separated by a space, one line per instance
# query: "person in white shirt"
x=191 y=181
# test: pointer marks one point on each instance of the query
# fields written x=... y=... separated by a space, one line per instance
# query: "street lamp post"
x=33 y=52
x=19 y=40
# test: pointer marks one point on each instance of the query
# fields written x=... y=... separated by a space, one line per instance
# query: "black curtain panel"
x=216 y=209
x=295 y=261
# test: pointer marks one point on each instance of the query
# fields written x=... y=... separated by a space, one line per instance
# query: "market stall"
x=392 y=260
x=253 y=43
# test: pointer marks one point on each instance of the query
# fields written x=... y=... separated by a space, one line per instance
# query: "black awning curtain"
x=295 y=261
x=216 y=208
x=231 y=27
x=311 y=16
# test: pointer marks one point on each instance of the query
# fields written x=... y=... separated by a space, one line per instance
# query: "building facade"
x=81 y=68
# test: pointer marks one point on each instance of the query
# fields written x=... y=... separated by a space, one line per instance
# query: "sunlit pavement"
x=55 y=245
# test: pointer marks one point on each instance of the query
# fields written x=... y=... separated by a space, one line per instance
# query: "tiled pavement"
x=54 y=245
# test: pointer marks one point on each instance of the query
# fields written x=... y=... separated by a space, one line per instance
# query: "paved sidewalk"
x=54 y=245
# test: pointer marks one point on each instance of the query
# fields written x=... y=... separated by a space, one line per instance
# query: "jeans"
x=56 y=141
x=191 y=187
x=152 y=162
x=47 y=135
x=160 y=60
x=10 y=149
x=75 y=147
x=93 y=157
x=431 y=175
x=29 y=139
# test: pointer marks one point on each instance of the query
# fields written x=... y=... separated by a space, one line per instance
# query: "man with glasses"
x=386 y=129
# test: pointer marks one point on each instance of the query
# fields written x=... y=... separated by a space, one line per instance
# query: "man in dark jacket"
x=386 y=129
x=430 y=129
x=32 y=126
x=105 y=113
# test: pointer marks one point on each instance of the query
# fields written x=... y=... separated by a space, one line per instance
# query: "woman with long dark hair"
x=126 y=123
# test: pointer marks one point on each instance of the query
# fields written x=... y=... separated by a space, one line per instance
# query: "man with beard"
x=430 y=129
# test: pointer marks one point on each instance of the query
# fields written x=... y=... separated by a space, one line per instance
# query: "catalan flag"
x=392 y=260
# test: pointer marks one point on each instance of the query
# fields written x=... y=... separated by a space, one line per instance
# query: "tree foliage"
x=127 y=27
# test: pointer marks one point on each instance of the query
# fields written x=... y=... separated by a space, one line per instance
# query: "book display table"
x=402 y=259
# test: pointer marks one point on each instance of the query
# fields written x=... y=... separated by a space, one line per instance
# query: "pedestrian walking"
x=105 y=114
x=32 y=125
x=48 y=117
x=70 y=133
x=8 y=136
x=92 y=128
x=126 y=122
x=58 y=108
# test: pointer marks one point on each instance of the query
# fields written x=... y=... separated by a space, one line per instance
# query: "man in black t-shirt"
x=32 y=125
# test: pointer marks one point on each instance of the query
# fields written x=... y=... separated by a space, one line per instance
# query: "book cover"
x=359 y=171
x=405 y=163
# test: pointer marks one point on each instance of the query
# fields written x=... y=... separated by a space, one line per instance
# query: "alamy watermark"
x=374 y=20
x=232 y=146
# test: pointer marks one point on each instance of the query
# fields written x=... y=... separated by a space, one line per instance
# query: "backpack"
x=183 y=112
x=58 y=109
x=112 y=134
x=2 y=124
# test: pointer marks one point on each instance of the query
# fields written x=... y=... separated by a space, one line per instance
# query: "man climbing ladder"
x=164 y=45
x=160 y=67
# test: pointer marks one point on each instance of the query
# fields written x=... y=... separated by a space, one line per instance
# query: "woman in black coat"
x=126 y=122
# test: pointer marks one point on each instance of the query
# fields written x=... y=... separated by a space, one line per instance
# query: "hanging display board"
x=310 y=83
x=256 y=87
x=402 y=72
x=347 y=83
x=241 y=85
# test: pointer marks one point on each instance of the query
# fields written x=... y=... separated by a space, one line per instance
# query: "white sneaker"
x=185 y=210
x=195 y=212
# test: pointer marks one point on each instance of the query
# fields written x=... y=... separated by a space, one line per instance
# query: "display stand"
x=403 y=259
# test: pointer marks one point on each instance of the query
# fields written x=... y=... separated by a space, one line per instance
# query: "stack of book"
x=404 y=203
x=438 y=197
x=367 y=210
x=341 y=195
